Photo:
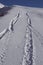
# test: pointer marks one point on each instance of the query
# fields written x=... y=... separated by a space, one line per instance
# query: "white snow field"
x=13 y=42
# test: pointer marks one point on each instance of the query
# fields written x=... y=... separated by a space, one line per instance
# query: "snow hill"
x=15 y=41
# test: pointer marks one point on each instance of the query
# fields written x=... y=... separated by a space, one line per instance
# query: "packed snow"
x=12 y=44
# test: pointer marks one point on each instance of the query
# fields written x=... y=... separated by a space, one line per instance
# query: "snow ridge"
x=10 y=28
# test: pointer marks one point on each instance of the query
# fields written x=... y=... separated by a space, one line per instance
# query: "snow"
x=15 y=40
x=1 y=5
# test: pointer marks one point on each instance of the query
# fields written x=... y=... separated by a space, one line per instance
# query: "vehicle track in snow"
x=28 y=50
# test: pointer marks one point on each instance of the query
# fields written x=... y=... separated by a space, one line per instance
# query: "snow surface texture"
x=14 y=43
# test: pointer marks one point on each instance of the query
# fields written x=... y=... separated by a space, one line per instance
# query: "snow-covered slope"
x=16 y=39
